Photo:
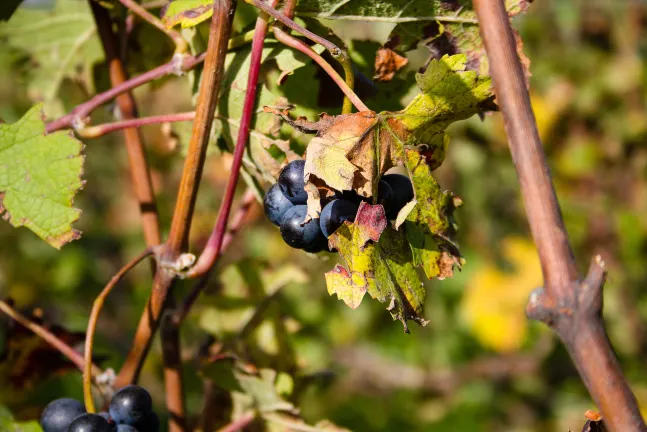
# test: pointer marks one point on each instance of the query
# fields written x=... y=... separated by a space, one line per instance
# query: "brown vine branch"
x=173 y=382
x=180 y=44
x=223 y=11
x=70 y=353
x=92 y=326
x=139 y=171
x=569 y=305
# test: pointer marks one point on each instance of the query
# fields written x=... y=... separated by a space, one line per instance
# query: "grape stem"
x=570 y=304
x=49 y=337
x=92 y=326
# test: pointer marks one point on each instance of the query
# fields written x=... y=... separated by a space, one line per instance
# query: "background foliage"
x=478 y=365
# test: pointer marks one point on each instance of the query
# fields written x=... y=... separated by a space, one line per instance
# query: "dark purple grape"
x=352 y=196
x=149 y=424
x=384 y=195
x=334 y=214
x=130 y=405
x=276 y=204
x=296 y=235
x=90 y=423
x=127 y=428
x=60 y=413
x=291 y=182
x=402 y=193
x=320 y=245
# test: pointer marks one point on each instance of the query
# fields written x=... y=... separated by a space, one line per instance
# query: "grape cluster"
x=285 y=206
x=131 y=410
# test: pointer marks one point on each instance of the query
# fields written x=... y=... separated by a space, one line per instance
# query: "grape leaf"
x=379 y=262
x=8 y=424
x=352 y=151
x=61 y=44
x=39 y=175
x=443 y=26
x=187 y=13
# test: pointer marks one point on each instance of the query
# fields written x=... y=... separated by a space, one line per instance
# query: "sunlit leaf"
x=8 y=424
x=39 y=175
x=187 y=13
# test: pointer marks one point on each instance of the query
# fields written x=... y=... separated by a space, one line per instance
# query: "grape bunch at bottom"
x=285 y=206
x=131 y=410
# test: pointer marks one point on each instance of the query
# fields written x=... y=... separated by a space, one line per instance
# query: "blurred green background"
x=478 y=365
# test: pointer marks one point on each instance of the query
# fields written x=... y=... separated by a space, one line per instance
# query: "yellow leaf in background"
x=495 y=299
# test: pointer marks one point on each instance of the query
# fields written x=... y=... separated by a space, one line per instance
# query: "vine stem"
x=70 y=353
x=139 y=171
x=106 y=128
x=223 y=11
x=180 y=44
x=208 y=258
x=570 y=305
x=239 y=424
x=301 y=46
x=92 y=326
x=177 y=66
x=210 y=255
x=336 y=52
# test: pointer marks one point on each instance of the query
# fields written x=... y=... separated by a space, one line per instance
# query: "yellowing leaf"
x=379 y=262
x=495 y=300
x=39 y=176
x=188 y=13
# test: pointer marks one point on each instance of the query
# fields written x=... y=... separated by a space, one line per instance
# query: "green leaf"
x=449 y=93
x=379 y=262
x=429 y=225
x=61 y=43
x=187 y=13
x=39 y=175
x=8 y=424
x=445 y=27
x=255 y=388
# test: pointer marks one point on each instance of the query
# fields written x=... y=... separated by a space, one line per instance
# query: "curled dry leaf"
x=387 y=63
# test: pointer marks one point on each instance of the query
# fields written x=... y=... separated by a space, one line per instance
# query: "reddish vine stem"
x=299 y=45
x=239 y=424
x=92 y=326
x=571 y=306
x=70 y=353
x=139 y=171
x=208 y=258
x=106 y=128
x=223 y=11
x=177 y=66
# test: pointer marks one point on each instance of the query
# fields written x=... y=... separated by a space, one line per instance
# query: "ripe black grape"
x=334 y=214
x=90 y=423
x=296 y=235
x=291 y=182
x=276 y=204
x=60 y=413
x=402 y=193
x=385 y=195
x=127 y=428
x=150 y=424
x=320 y=245
x=130 y=405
